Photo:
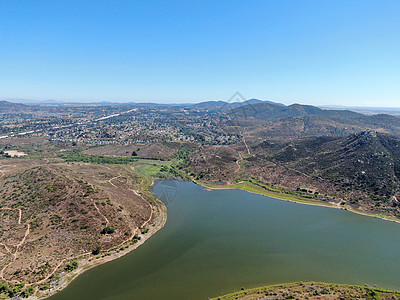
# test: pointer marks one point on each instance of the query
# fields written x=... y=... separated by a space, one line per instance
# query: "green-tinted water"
x=216 y=242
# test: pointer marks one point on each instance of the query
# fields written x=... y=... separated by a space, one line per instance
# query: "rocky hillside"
x=361 y=170
x=50 y=213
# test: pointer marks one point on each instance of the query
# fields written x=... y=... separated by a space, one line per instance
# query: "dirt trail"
x=15 y=254
x=27 y=232
x=7 y=249
x=97 y=208
x=110 y=181
x=151 y=207
x=247 y=146
x=100 y=213
x=151 y=215
x=2 y=174
x=136 y=230
x=238 y=163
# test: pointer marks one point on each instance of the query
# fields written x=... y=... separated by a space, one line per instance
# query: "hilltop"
x=6 y=106
x=269 y=120
x=58 y=218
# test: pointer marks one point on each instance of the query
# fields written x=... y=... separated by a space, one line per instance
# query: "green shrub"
x=71 y=266
x=96 y=251
x=107 y=230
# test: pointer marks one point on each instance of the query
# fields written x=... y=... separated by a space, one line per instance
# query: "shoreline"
x=159 y=222
x=305 y=202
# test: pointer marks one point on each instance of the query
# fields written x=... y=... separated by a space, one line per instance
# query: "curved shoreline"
x=305 y=202
x=159 y=223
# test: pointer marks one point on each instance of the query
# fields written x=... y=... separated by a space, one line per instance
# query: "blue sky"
x=341 y=52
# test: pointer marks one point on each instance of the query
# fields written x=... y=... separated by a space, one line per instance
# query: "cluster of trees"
x=76 y=155
x=10 y=290
x=107 y=230
x=71 y=266
x=2 y=153
x=96 y=251
x=182 y=154
x=79 y=156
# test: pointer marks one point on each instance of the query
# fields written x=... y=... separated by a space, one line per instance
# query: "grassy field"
x=264 y=190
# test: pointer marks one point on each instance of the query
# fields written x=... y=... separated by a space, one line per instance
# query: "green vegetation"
x=182 y=154
x=76 y=155
x=28 y=291
x=96 y=251
x=10 y=290
x=71 y=266
x=254 y=186
x=107 y=230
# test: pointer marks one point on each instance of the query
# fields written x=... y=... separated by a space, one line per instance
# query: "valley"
x=76 y=192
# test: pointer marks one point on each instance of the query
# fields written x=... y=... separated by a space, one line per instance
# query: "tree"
x=107 y=230
x=28 y=291
x=96 y=251
x=71 y=266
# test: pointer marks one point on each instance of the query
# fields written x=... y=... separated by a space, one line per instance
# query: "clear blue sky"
x=341 y=52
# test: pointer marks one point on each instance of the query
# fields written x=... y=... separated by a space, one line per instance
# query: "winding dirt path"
x=238 y=163
x=100 y=213
x=110 y=181
x=151 y=215
x=15 y=254
x=97 y=208
x=7 y=249
x=136 y=230
x=2 y=174
x=247 y=146
x=28 y=230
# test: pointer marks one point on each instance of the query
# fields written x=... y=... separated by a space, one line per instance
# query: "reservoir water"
x=219 y=241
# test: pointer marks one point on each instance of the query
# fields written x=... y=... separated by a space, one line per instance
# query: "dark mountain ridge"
x=270 y=120
x=6 y=106
x=233 y=104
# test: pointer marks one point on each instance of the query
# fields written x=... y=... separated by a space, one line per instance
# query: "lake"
x=219 y=241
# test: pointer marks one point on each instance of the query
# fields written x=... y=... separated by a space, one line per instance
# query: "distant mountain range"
x=206 y=104
x=219 y=104
x=10 y=106
x=209 y=105
x=366 y=110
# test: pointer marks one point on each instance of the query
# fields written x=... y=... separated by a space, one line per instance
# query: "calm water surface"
x=216 y=242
